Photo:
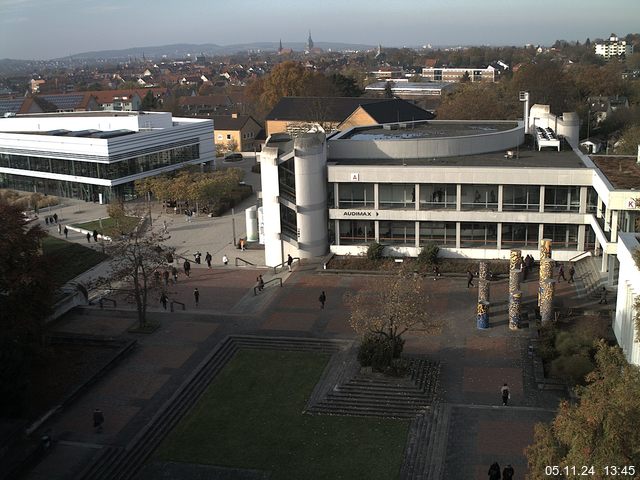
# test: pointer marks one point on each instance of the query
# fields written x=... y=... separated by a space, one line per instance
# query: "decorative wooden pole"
x=515 y=300
x=546 y=273
x=546 y=300
x=483 y=282
x=545 y=248
x=482 y=318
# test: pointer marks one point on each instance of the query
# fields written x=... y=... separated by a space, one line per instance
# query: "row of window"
x=108 y=171
x=472 y=235
x=473 y=197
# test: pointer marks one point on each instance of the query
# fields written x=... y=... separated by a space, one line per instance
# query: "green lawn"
x=250 y=417
x=109 y=227
x=69 y=259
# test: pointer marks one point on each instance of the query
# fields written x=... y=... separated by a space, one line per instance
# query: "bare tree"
x=135 y=260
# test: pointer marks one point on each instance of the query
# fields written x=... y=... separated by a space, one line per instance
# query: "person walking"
x=98 y=420
x=165 y=229
x=225 y=260
x=95 y=236
x=165 y=278
x=187 y=267
x=46 y=220
x=208 y=258
x=494 y=471
x=469 y=279
x=66 y=232
x=603 y=296
x=55 y=217
x=241 y=244
x=163 y=300
x=322 y=299
x=289 y=261
x=505 y=394
x=174 y=272
x=59 y=229
x=197 y=257
x=572 y=272
x=561 y=273
x=260 y=281
x=88 y=237
x=507 y=473
x=196 y=296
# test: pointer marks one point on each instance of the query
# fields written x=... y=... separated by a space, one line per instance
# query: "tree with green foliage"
x=26 y=287
x=480 y=101
x=345 y=86
x=629 y=141
x=149 y=102
x=601 y=429
x=388 y=92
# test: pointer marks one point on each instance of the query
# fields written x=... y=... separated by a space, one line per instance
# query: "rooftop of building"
x=428 y=129
x=525 y=156
x=623 y=172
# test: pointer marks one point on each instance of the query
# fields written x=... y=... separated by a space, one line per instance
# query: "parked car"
x=233 y=157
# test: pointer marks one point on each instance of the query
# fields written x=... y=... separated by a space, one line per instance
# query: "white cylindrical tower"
x=260 y=226
x=310 y=161
x=251 y=218
x=270 y=205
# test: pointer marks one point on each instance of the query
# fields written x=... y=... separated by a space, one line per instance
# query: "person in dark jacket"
x=494 y=471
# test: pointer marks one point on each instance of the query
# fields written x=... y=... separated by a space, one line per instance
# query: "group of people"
x=494 y=472
x=89 y=235
x=572 y=272
x=527 y=266
x=51 y=219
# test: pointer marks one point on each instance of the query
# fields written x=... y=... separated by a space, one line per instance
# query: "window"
x=592 y=200
x=564 y=237
x=287 y=177
x=397 y=195
x=228 y=136
x=219 y=136
x=440 y=233
x=479 y=197
x=521 y=197
x=435 y=196
x=520 y=235
x=561 y=199
x=288 y=222
x=356 y=232
x=398 y=233
x=478 y=235
x=353 y=195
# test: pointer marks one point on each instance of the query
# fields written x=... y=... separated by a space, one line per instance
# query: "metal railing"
x=275 y=269
x=104 y=299
x=258 y=288
x=245 y=262
x=178 y=303
x=581 y=256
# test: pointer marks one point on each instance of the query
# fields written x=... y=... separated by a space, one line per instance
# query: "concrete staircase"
x=589 y=280
x=427 y=445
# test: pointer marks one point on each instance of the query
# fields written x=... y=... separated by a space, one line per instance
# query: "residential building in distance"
x=97 y=156
x=407 y=89
x=217 y=104
x=454 y=75
x=236 y=133
x=614 y=47
x=296 y=115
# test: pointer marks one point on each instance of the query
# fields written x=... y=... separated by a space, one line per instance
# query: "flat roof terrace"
x=623 y=172
x=523 y=158
x=429 y=129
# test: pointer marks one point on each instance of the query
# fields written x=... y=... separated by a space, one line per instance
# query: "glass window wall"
x=564 y=237
x=357 y=232
x=520 y=235
x=478 y=235
x=561 y=199
x=437 y=196
x=397 y=195
x=441 y=233
x=521 y=198
x=355 y=195
x=479 y=197
x=399 y=233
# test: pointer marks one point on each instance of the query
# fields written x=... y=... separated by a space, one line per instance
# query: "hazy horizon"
x=46 y=29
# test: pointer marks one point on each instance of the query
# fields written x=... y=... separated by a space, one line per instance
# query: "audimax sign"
x=359 y=213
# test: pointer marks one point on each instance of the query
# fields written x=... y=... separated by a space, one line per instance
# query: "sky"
x=46 y=29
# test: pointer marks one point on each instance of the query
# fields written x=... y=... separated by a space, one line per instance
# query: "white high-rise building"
x=614 y=47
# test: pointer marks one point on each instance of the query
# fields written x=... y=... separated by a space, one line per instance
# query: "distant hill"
x=180 y=50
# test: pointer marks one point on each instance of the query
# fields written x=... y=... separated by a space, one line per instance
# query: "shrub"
x=428 y=254
x=374 y=251
x=572 y=368
x=380 y=353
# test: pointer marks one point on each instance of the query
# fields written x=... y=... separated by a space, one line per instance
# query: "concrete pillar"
x=583 y=200
x=416 y=194
x=599 y=208
x=541 y=209
x=499 y=236
x=483 y=282
x=500 y=197
x=417 y=227
x=547 y=289
x=336 y=230
x=458 y=198
x=605 y=261
x=376 y=198
x=515 y=309
x=482 y=317
x=457 y=234
x=581 y=237
x=614 y=225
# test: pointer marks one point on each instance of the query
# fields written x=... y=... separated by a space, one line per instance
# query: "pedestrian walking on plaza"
x=95 y=236
x=572 y=272
x=507 y=473
x=505 y=394
x=174 y=272
x=208 y=258
x=289 y=261
x=603 y=296
x=469 y=279
x=494 y=471
x=165 y=278
x=561 y=273
x=59 y=229
x=55 y=217
x=66 y=232
x=187 y=267
x=46 y=220
x=196 y=296
x=88 y=237
x=197 y=257
x=98 y=420
x=163 y=300
x=322 y=299
x=260 y=283
x=225 y=260
x=164 y=226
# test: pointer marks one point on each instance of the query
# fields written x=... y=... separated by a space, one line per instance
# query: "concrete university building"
x=475 y=188
x=96 y=156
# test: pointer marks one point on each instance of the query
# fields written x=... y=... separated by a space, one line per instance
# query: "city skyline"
x=40 y=30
